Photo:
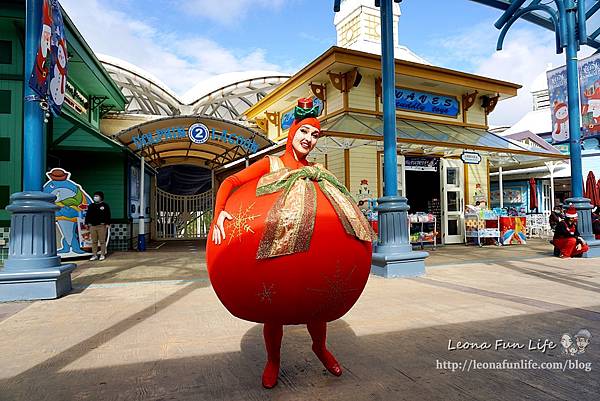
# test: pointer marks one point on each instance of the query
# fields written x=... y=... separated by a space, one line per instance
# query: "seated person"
x=596 y=221
x=567 y=238
x=555 y=217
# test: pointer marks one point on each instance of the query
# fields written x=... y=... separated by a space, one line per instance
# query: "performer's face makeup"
x=305 y=140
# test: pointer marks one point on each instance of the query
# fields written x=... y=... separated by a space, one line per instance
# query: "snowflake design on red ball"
x=266 y=294
x=336 y=288
x=240 y=223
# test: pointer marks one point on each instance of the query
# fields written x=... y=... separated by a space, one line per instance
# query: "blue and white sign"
x=424 y=102
x=198 y=133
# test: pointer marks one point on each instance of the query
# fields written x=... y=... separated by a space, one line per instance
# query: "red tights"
x=273 y=332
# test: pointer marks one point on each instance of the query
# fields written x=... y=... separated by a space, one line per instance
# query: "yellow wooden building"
x=445 y=151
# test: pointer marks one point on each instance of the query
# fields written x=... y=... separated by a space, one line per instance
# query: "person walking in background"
x=98 y=218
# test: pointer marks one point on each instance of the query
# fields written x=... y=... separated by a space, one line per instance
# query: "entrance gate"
x=182 y=216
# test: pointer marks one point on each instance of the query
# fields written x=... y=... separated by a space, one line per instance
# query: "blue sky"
x=184 y=42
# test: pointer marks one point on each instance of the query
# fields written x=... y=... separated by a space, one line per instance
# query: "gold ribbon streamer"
x=290 y=221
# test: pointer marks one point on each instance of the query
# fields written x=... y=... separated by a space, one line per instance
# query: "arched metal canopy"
x=167 y=141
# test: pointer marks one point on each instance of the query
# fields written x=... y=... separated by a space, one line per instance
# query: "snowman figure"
x=58 y=81
x=363 y=191
x=560 y=132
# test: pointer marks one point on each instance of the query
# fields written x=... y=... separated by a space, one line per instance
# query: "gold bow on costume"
x=290 y=222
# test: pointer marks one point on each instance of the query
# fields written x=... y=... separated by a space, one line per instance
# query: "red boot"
x=272 y=334
x=318 y=333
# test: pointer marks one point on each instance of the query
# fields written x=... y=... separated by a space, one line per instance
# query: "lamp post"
x=569 y=24
x=392 y=255
x=33 y=270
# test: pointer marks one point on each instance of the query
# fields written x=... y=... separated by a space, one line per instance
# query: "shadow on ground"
x=399 y=365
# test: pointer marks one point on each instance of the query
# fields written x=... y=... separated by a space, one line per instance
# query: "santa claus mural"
x=39 y=76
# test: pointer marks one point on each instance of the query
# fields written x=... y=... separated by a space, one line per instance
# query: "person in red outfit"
x=567 y=238
x=302 y=138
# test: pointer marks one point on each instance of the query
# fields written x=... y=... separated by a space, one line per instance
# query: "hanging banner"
x=557 y=89
x=38 y=81
x=49 y=76
x=589 y=92
x=58 y=60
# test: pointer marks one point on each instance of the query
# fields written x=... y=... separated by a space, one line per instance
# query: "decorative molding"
x=262 y=123
x=345 y=81
x=273 y=118
x=378 y=88
x=489 y=103
x=468 y=100
x=337 y=80
x=320 y=91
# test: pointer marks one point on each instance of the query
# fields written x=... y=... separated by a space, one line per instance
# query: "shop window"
x=452 y=176
x=5 y=52
x=4 y=149
x=4 y=196
x=5 y=102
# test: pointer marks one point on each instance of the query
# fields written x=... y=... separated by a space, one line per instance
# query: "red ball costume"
x=278 y=265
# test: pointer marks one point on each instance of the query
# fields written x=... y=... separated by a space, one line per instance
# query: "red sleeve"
x=254 y=171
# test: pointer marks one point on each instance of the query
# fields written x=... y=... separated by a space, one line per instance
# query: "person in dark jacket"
x=555 y=217
x=98 y=218
x=567 y=238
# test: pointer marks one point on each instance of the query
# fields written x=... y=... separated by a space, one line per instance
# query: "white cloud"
x=226 y=11
x=527 y=52
x=180 y=62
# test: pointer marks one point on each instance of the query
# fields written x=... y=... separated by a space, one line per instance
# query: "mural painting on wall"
x=72 y=234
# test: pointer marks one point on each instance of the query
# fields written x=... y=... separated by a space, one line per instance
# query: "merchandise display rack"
x=484 y=224
x=418 y=234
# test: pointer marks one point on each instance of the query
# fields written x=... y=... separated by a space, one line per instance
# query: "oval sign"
x=470 y=157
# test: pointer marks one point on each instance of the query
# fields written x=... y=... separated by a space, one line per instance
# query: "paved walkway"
x=149 y=327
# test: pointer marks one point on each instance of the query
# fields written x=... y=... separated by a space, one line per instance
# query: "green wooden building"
x=73 y=140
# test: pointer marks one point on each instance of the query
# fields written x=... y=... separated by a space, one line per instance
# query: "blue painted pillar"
x=33 y=269
x=33 y=140
x=392 y=255
x=582 y=204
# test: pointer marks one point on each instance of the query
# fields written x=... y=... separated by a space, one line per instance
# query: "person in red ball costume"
x=295 y=251
x=567 y=238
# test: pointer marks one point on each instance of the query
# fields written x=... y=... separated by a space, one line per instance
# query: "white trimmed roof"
x=536 y=121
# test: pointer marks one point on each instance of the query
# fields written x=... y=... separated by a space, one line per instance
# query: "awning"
x=212 y=142
x=71 y=133
x=438 y=139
